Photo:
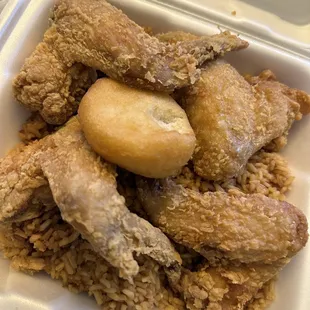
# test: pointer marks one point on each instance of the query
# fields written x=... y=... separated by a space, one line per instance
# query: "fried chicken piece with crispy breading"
x=174 y=37
x=124 y=51
x=267 y=80
x=22 y=184
x=84 y=188
x=48 y=85
x=223 y=287
x=233 y=119
x=221 y=226
x=247 y=240
x=100 y=36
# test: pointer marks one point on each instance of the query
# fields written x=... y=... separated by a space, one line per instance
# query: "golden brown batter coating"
x=84 y=188
x=46 y=84
x=22 y=184
x=267 y=80
x=240 y=228
x=233 y=119
x=176 y=36
x=98 y=35
x=226 y=288
x=126 y=52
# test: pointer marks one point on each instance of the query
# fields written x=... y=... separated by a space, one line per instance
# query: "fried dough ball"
x=145 y=132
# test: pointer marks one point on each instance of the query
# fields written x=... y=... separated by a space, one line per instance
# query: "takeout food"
x=233 y=118
x=41 y=241
x=243 y=286
x=146 y=132
x=225 y=226
x=68 y=211
x=97 y=35
x=63 y=168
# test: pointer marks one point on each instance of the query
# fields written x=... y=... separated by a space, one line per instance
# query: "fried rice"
x=265 y=173
x=45 y=242
x=42 y=241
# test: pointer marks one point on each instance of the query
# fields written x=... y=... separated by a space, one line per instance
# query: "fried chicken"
x=44 y=242
x=22 y=182
x=267 y=80
x=233 y=119
x=84 y=188
x=97 y=35
x=225 y=227
x=224 y=287
x=247 y=240
x=174 y=37
x=48 y=85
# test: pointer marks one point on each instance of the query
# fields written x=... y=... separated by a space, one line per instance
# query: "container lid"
x=10 y=12
x=284 y=23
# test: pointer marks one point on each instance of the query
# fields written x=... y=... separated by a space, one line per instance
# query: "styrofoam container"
x=274 y=44
x=10 y=14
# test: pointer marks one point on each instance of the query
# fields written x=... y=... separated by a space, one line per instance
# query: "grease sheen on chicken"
x=233 y=119
x=244 y=228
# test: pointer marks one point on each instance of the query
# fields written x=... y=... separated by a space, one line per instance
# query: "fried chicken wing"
x=100 y=36
x=233 y=119
x=22 y=184
x=267 y=80
x=221 y=226
x=46 y=84
x=247 y=240
x=84 y=188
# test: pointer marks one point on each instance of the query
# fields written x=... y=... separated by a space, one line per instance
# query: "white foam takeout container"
x=279 y=42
